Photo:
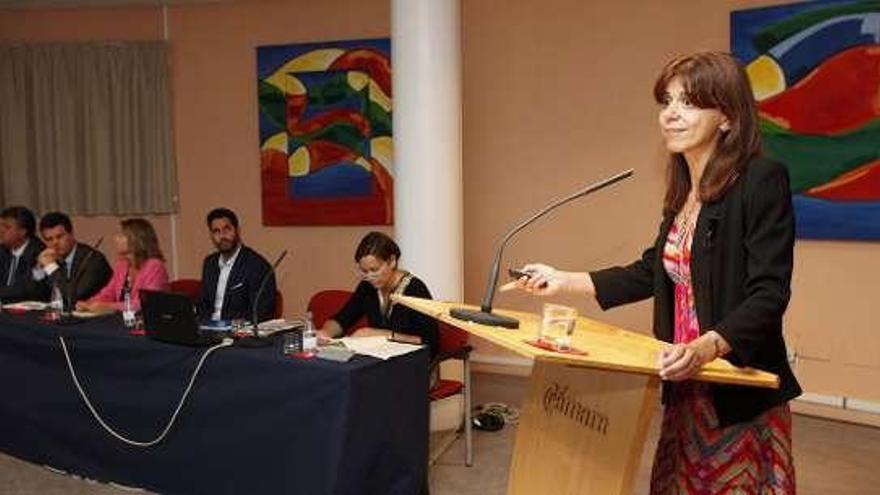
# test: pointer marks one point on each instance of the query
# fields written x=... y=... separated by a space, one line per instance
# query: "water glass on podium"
x=557 y=325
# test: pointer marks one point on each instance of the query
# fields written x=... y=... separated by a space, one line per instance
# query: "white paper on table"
x=27 y=306
x=86 y=314
x=270 y=327
x=378 y=346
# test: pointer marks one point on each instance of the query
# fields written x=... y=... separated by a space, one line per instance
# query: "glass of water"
x=293 y=342
x=557 y=326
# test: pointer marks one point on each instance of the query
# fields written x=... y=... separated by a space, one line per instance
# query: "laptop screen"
x=171 y=317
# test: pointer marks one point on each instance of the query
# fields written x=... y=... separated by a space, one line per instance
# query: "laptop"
x=170 y=317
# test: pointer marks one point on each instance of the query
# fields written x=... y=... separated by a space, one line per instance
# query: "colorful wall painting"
x=325 y=133
x=815 y=71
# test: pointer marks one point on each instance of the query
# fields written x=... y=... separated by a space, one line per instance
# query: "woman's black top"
x=397 y=318
x=741 y=267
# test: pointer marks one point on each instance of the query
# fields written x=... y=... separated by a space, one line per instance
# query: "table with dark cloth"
x=256 y=421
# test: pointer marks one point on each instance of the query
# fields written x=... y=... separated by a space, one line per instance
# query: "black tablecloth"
x=256 y=420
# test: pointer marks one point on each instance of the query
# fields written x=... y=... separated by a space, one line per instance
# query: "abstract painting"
x=325 y=133
x=815 y=71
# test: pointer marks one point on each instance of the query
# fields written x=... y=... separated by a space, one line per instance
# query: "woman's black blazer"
x=741 y=272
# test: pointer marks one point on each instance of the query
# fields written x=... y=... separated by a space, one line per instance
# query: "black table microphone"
x=255 y=340
x=485 y=316
x=66 y=317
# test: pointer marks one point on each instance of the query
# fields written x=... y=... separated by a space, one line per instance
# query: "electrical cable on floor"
x=150 y=443
x=492 y=416
x=509 y=413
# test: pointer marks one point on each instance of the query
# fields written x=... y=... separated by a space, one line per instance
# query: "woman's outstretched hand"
x=542 y=280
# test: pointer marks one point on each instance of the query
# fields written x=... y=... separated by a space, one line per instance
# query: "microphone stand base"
x=484 y=318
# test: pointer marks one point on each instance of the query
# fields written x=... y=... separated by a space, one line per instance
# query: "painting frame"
x=815 y=71
x=325 y=130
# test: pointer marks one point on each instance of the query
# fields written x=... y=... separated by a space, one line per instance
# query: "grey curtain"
x=85 y=128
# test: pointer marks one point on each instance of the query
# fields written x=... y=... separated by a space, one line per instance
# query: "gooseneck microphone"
x=256 y=317
x=82 y=266
x=70 y=289
x=485 y=316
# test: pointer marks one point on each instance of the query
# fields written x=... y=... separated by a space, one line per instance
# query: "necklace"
x=385 y=302
x=687 y=222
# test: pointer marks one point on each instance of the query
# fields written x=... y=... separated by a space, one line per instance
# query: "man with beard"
x=231 y=277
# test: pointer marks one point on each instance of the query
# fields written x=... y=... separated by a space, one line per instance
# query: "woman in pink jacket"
x=140 y=264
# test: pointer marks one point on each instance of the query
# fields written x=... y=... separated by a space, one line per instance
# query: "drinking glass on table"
x=293 y=342
x=557 y=325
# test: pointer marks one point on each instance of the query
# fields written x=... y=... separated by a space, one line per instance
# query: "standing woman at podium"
x=719 y=272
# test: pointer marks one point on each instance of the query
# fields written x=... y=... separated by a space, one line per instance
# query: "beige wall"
x=215 y=102
x=557 y=94
x=213 y=79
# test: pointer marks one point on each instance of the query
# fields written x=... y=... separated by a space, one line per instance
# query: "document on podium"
x=378 y=346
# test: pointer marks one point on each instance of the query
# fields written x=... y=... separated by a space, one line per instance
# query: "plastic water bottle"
x=56 y=302
x=310 y=337
x=128 y=317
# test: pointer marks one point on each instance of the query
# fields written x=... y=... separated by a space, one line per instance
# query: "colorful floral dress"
x=695 y=455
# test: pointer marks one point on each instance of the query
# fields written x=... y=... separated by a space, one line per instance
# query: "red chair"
x=326 y=303
x=453 y=344
x=192 y=288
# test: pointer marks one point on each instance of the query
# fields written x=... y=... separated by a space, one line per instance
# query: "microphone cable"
x=226 y=343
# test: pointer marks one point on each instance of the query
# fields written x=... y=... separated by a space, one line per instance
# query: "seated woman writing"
x=139 y=265
x=377 y=256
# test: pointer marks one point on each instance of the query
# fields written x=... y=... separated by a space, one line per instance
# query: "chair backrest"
x=193 y=289
x=326 y=303
x=450 y=338
x=190 y=286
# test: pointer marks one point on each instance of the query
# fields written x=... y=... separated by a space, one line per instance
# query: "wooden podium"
x=583 y=425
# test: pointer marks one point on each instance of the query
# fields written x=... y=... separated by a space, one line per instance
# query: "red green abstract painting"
x=325 y=133
x=815 y=71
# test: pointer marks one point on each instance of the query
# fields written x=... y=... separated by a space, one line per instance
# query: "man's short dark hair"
x=55 y=218
x=223 y=213
x=23 y=217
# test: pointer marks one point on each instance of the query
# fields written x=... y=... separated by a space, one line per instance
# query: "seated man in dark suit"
x=18 y=255
x=67 y=264
x=231 y=277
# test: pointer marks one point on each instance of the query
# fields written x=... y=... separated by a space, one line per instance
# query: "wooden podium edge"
x=718 y=371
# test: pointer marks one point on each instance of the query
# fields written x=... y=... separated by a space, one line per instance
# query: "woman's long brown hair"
x=142 y=240
x=712 y=80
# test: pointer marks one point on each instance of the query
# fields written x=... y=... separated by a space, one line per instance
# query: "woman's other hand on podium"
x=683 y=361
